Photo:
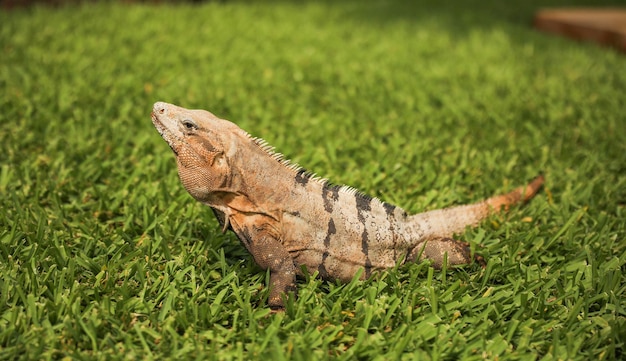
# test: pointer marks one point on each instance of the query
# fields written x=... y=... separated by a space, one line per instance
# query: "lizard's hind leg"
x=438 y=250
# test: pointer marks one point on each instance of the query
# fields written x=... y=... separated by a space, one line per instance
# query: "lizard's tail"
x=448 y=221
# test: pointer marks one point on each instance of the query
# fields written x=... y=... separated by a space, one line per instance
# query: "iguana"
x=288 y=218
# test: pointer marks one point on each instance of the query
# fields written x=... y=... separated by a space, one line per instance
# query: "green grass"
x=104 y=255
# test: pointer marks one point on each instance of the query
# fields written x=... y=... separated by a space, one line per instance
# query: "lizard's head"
x=197 y=137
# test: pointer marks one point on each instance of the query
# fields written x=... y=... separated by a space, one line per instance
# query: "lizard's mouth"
x=157 y=123
x=165 y=133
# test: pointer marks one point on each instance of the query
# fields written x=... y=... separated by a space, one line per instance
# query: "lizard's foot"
x=454 y=252
x=277 y=298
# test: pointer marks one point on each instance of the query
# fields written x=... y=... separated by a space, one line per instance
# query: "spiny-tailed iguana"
x=288 y=218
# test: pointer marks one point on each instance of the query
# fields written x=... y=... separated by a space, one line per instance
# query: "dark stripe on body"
x=302 y=177
x=329 y=232
x=391 y=218
x=330 y=194
x=363 y=204
x=389 y=208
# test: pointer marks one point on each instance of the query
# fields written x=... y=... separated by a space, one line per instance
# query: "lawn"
x=424 y=104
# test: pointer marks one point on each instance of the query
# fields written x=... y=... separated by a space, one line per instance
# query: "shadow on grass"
x=460 y=16
x=456 y=17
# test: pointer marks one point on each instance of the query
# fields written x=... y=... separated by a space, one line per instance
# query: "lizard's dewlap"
x=288 y=218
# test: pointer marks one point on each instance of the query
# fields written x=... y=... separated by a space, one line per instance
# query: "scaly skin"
x=288 y=218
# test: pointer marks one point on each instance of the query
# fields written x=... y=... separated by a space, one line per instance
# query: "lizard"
x=292 y=221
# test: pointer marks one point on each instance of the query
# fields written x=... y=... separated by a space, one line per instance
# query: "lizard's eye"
x=189 y=124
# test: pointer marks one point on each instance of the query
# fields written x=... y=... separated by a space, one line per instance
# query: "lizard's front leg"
x=269 y=252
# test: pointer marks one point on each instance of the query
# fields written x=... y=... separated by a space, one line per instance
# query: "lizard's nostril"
x=159 y=107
